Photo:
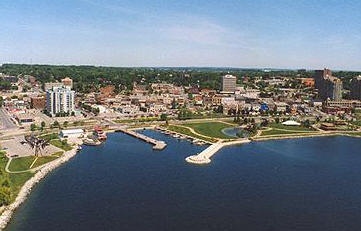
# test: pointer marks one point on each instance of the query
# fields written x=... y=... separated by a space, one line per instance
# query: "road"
x=5 y=120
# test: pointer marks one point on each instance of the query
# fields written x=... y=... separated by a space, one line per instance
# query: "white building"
x=60 y=99
x=66 y=133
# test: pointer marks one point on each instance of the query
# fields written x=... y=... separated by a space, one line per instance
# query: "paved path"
x=29 y=170
x=193 y=131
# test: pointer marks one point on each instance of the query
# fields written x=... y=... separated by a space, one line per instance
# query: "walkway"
x=158 y=144
x=29 y=170
x=205 y=156
x=196 y=133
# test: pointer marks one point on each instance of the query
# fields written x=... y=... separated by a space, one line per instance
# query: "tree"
x=174 y=104
x=5 y=197
x=277 y=120
x=65 y=124
x=56 y=124
x=32 y=127
x=64 y=142
x=42 y=125
x=164 y=117
x=306 y=123
x=264 y=123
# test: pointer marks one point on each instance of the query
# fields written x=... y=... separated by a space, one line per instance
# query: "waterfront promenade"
x=27 y=187
x=204 y=157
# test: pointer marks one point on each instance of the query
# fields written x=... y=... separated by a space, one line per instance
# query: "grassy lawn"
x=145 y=119
x=291 y=128
x=353 y=133
x=16 y=180
x=50 y=136
x=211 y=129
x=357 y=122
x=282 y=132
x=59 y=144
x=21 y=163
x=186 y=131
x=24 y=163
x=46 y=159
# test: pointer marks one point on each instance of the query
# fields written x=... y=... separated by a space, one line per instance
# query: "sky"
x=309 y=34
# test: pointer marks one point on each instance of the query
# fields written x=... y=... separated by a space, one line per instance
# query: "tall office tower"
x=229 y=83
x=356 y=88
x=329 y=87
x=60 y=99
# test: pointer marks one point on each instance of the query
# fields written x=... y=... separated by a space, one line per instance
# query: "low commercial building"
x=328 y=126
x=356 y=104
x=66 y=133
x=24 y=118
x=38 y=102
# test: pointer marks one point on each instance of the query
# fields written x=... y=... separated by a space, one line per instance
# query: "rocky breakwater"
x=26 y=189
x=205 y=156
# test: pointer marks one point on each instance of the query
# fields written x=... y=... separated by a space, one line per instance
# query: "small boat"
x=91 y=142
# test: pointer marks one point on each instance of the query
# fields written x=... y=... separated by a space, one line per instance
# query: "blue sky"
x=281 y=34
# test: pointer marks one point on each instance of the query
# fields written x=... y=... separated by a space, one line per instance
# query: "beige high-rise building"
x=229 y=83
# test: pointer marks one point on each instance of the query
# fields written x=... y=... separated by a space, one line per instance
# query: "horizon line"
x=199 y=67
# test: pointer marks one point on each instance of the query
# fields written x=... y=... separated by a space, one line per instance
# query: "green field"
x=290 y=128
x=49 y=136
x=21 y=163
x=24 y=163
x=16 y=181
x=188 y=132
x=353 y=133
x=282 y=132
x=211 y=129
x=58 y=143
x=357 y=122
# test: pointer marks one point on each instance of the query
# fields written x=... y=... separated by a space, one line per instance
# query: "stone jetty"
x=204 y=157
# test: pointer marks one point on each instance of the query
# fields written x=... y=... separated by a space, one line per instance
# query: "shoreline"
x=26 y=189
x=265 y=138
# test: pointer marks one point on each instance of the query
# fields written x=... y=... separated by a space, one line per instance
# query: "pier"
x=183 y=136
x=158 y=144
x=204 y=157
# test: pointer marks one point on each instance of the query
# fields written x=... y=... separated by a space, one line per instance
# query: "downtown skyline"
x=254 y=34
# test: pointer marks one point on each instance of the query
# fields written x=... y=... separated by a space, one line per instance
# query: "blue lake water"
x=301 y=184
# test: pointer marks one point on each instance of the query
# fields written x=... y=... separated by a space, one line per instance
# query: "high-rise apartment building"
x=329 y=87
x=356 y=88
x=60 y=100
x=229 y=83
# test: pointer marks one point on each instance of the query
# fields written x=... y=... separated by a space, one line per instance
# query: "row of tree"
x=90 y=78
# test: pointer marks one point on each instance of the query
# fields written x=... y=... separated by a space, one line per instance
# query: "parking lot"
x=15 y=148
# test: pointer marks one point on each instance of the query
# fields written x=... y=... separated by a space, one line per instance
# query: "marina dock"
x=158 y=144
x=204 y=157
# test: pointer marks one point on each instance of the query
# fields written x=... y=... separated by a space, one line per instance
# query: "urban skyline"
x=257 y=34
